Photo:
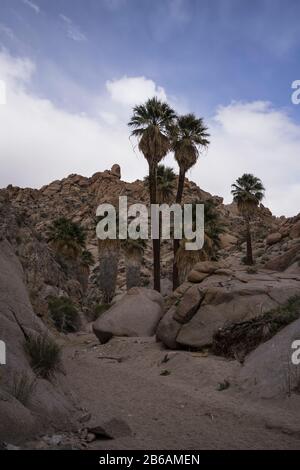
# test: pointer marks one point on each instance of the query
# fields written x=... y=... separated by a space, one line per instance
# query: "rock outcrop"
x=48 y=405
x=224 y=295
x=269 y=371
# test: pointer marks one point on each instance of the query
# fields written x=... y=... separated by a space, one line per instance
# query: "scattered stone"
x=92 y=437
x=223 y=386
x=85 y=418
x=165 y=372
x=113 y=429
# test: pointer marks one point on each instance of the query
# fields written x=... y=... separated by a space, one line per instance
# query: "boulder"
x=136 y=314
x=208 y=267
x=196 y=276
x=227 y=240
x=282 y=262
x=116 y=170
x=273 y=238
x=269 y=371
x=168 y=329
x=189 y=304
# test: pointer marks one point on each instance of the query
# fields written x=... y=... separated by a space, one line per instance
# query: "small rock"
x=85 y=418
x=90 y=437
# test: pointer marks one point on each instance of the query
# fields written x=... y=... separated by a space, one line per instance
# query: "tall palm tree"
x=188 y=136
x=165 y=183
x=108 y=268
x=133 y=250
x=109 y=254
x=248 y=191
x=68 y=239
x=150 y=123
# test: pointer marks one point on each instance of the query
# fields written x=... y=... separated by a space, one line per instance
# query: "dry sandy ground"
x=180 y=410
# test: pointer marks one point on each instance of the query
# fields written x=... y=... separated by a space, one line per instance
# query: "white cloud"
x=32 y=5
x=254 y=138
x=129 y=91
x=15 y=70
x=41 y=142
x=73 y=31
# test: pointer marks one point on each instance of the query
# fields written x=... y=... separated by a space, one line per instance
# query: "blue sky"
x=214 y=57
x=209 y=52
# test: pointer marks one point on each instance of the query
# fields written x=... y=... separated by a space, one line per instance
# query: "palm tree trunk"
x=155 y=242
x=176 y=242
x=133 y=271
x=180 y=186
x=249 y=256
x=108 y=271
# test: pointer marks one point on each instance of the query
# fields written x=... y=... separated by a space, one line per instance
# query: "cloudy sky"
x=73 y=69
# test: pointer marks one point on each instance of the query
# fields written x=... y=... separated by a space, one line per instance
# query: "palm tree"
x=248 y=192
x=133 y=250
x=214 y=227
x=150 y=123
x=86 y=260
x=188 y=136
x=67 y=237
x=109 y=254
x=186 y=259
x=165 y=183
x=109 y=251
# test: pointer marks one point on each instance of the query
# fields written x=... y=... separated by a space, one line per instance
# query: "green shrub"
x=22 y=387
x=64 y=314
x=44 y=354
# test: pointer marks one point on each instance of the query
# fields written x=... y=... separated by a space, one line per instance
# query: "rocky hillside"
x=26 y=215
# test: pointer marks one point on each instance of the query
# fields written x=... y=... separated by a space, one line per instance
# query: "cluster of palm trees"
x=68 y=239
x=160 y=131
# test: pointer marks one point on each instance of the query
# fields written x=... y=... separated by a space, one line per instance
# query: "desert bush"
x=22 y=387
x=64 y=314
x=236 y=340
x=44 y=354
